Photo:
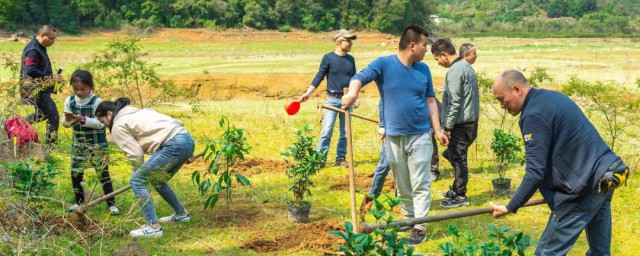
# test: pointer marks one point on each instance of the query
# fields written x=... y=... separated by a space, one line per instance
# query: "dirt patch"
x=363 y=182
x=238 y=214
x=310 y=236
x=250 y=166
x=29 y=150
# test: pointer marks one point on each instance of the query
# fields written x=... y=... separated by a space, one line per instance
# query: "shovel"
x=80 y=210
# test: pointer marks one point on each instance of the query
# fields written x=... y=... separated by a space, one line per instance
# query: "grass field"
x=255 y=222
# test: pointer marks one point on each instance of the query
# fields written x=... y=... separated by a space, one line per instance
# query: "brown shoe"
x=341 y=162
x=365 y=206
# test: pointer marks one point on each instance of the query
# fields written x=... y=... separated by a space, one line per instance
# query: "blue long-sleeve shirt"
x=565 y=156
x=338 y=70
x=404 y=91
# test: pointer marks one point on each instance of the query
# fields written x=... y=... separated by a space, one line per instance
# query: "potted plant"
x=305 y=162
x=505 y=148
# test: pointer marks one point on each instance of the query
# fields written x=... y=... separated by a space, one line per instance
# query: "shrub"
x=384 y=241
x=501 y=242
x=505 y=148
x=305 y=164
x=31 y=179
x=223 y=155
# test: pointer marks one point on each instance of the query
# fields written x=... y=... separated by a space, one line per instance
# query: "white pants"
x=410 y=157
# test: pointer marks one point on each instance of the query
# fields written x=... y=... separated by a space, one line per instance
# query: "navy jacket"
x=35 y=63
x=565 y=156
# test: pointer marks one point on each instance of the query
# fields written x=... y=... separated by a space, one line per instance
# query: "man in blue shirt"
x=338 y=66
x=566 y=159
x=410 y=111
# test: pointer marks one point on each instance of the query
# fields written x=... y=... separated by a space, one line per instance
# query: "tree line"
x=390 y=16
x=284 y=15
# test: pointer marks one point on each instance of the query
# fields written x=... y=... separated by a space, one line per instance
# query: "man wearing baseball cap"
x=338 y=66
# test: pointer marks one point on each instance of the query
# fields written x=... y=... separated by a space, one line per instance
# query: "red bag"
x=18 y=127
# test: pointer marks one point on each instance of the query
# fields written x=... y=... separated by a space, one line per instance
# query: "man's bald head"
x=511 y=89
x=511 y=77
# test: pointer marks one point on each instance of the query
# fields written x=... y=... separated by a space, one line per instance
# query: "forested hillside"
x=539 y=16
x=581 y=17
x=284 y=15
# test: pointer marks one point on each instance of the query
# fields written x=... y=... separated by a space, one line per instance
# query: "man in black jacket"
x=36 y=69
x=565 y=159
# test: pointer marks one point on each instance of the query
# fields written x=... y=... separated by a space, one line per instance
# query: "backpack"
x=22 y=130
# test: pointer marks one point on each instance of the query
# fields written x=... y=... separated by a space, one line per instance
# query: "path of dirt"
x=308 y=236
x=249 y=167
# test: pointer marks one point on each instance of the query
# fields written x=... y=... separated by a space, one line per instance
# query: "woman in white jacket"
x=145 y=131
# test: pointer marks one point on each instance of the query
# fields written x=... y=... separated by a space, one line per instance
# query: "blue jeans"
x=169 y=158
x=379 y=175
x=592 y=214
x=328 y=121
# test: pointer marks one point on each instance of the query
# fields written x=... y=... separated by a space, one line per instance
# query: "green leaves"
x=383 y=241
x=305 y=164
x=501 y=242
x=32 y=178
x=505 y=148
x=223 y=155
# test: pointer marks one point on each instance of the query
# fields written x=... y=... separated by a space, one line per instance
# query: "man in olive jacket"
x=459 y=115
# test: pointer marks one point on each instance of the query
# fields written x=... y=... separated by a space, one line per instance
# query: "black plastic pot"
x=501 y=186
x=299 y=214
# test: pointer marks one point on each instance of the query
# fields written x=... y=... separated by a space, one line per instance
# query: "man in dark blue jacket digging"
x=567 y=160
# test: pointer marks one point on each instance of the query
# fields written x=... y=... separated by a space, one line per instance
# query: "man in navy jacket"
x=36 y=68
x=565 y=160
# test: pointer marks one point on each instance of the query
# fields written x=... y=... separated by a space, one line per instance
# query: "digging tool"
x=369 y=227
x=80 y=210
x=352 y=176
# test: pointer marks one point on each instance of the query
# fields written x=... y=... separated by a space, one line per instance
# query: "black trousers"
x=105 y=179
x=45 y=109
x=462 y=136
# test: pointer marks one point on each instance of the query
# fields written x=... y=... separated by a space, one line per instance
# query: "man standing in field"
x=567 y=160
x=460 y=113
x=468 y=53
x=36 y=69
x=410 y=110
x=338 y=66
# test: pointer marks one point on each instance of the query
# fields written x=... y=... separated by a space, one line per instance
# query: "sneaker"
x=114 y=210
x=146 y=231
x=73 y=208
x=455 y=202
x=417 y=236
x=449 y=195
x=341 y=162
x=176 y=218
x=435 y=175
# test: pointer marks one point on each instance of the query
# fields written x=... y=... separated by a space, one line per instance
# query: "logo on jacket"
x=528 y=137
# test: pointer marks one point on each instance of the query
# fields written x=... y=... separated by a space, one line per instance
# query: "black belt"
x=336 y=95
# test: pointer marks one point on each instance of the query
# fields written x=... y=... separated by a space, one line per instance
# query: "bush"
x=31 y=179
x=305 y=164
x=505 y=148
x=285 y=28
x=383 y=242
x=223 y=155
x=501 y=242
